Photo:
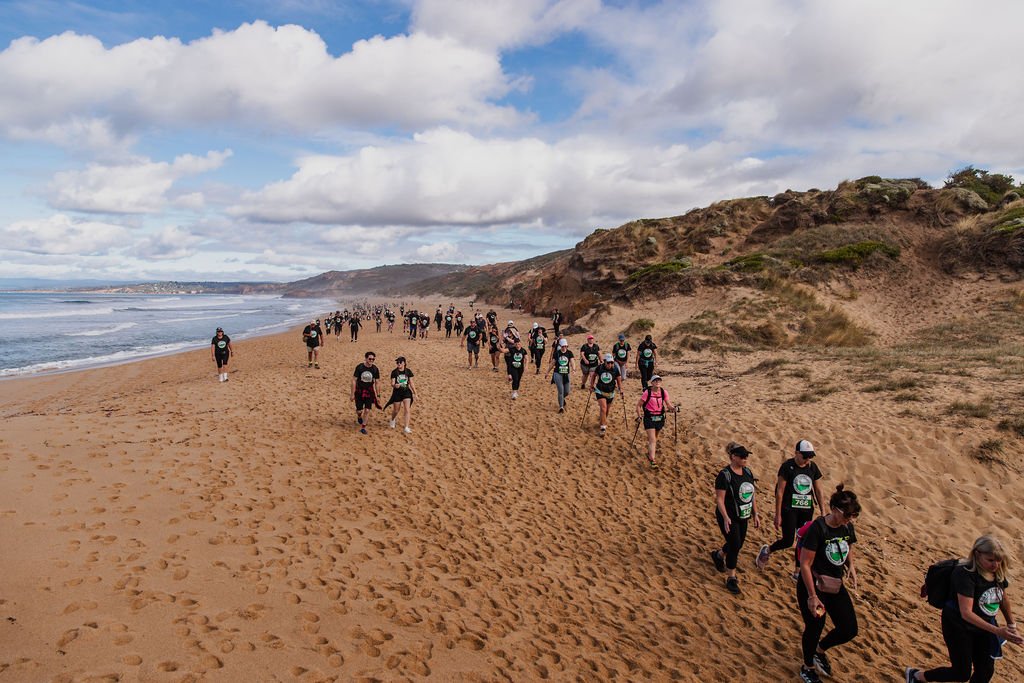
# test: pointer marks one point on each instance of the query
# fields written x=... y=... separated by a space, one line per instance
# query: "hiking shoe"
x=561 y=410
x=911 y=675
x=408 y=430
x=809 y=676
x=719 y=561
x=310 y=365
x=732 y=585
x=515 y=395
x=762 y=556
x=362 y=430
x=316 y=366
x=391 y=423
x=654 y=465
x=823 y=665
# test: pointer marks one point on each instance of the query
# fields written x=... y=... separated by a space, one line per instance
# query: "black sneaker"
x=732 y=585
x=911 y=675
x=719 y=561
x=821 y=662
x=809 y=676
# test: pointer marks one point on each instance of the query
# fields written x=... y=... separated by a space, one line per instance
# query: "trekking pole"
x=589 y=394
x=635 y=432
x=625 y=420
x=675 y=427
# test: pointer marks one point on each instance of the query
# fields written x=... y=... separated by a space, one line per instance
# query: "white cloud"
x=171 y=242
x=439 y=252
x=502 y=23
x=87 y=134
x=61 y=234
x=140 y=186
x=446 y=178
x=255 y=74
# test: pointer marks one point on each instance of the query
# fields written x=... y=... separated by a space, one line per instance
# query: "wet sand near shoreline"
x=161 y=526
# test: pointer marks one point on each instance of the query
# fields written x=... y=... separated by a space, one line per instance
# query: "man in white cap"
x=796 y=492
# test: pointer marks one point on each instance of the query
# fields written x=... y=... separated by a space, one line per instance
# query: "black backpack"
x=938 y=583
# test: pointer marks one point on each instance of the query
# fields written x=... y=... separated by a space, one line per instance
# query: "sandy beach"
x=161 y=526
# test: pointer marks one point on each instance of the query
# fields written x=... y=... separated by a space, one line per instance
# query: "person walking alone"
x=220 y=352
x=978 y=593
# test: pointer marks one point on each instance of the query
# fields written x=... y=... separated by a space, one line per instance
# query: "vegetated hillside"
x=381 y=279
x=821 y=263
x=498 y=283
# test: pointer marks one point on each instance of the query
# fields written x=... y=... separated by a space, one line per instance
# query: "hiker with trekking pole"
x=970 y=593
x=650 y=409
x=604 y=380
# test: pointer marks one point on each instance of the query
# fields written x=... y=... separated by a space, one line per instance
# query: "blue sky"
x=276 y=140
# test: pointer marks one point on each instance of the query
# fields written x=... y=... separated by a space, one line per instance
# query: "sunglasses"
x=372 y=358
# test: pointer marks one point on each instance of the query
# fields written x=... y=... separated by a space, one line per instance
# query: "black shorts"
x=222 y=359
x=473 y=349
x=364 y=399
x=399 y=395
x=655 y=422
x=607 y=397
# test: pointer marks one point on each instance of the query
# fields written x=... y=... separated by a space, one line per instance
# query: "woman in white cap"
x=652 y=407
x=562 y=363
x=510 y=334
x=796 y=492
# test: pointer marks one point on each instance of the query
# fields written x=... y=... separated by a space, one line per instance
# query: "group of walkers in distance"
x=970 y=592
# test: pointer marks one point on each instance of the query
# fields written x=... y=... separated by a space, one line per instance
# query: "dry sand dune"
x=161 y=526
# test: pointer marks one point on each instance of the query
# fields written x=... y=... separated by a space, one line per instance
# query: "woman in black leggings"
x=734 y=508
x=969 y=624
x=826 y=556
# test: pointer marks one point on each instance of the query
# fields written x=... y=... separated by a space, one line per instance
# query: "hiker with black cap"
x=221 y=351
x=403 y=393
x=735 y=507
x=651 y=409
x=796 y=492
x=603 y=382
x=646 y=357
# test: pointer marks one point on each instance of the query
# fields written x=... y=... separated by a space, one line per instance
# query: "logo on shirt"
x=802 y=484
x=836 y=550
x=366 y=377
x=990 y=600
x=606 y=378
x=746 y=492
x=221 y=344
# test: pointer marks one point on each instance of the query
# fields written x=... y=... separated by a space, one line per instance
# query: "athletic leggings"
x=646 y=372
x=353 y=333
x=564 y=385
x=791 y=521
x=447 y=331
x=538 y=356
x=839 y=607
x=733 y=539
x=967 y=649
x=517 y=377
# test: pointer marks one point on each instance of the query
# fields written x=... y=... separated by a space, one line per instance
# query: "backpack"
x=800 y=533
x=938 y=583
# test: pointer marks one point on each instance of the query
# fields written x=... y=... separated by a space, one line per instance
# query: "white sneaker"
x=391 y=424
x=515 y=395
x=408 y=431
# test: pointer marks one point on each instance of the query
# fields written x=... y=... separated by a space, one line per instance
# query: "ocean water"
x=64 y=331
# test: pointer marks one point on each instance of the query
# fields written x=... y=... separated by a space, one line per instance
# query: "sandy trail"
x=162 y=526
